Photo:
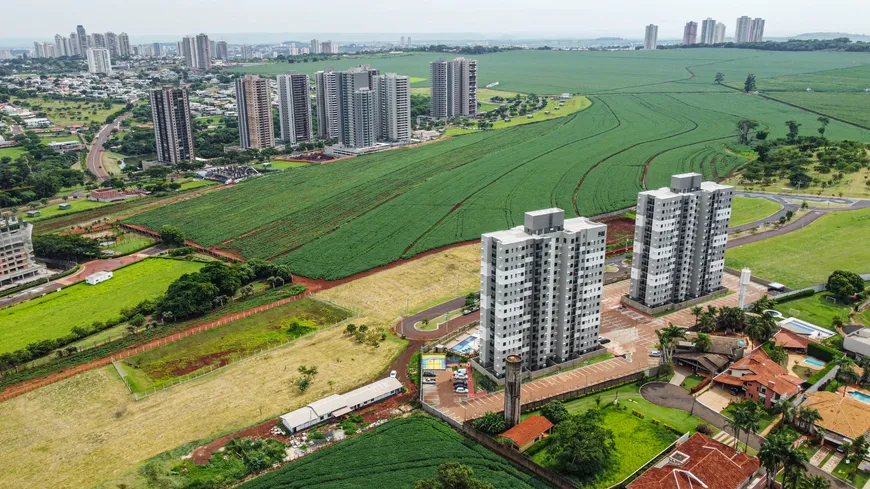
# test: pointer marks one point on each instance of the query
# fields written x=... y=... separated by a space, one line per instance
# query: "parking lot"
x=443 y=391
x=718 y=398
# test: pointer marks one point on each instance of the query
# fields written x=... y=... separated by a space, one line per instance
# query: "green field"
x=54 y=315
x=283 y=164
x=851 y=107
x=54 y=210
x=237 y=339
x=836 y=241
x=819 y=310
x=64 y=113
x=750 y=209
x=394 y=456
x=127 y=243
x=13 y=152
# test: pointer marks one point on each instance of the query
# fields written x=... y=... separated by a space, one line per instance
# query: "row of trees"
x=838 y=44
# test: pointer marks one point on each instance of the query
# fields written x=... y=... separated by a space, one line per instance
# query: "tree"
x=171 y=236
x=844 y=285
x=453 y=475
x=697 y=311
x=771 y=455
x=824 y=121
x=554 y=411
x=491 y=423
x=793 y=468
x=703 y=342
x=744 y=127
x=720 y=77
x=786 y=408
x=793 y=131
x=749 y=84
x=707 y=324
x=779 y=355
x=816 y=482
x=581 y=445
x=858 y=450
x=807 y=417
x=137 y=320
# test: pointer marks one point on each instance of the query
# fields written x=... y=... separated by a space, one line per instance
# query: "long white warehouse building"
x=338 y=405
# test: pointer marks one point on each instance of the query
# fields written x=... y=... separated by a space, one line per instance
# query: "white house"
x=95 y=278
x=858 y=342
x=338 y=405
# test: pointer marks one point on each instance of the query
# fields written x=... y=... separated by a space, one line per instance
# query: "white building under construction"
x=16 y=251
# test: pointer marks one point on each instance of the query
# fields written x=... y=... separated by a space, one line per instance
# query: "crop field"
x=215 y=347
x=395 y=456
x=850 y=107
x=750 y=209
x=55 y=314
x=808 y=256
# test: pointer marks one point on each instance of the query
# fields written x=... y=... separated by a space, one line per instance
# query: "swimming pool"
x=815 y=362
x=804 y=328
x=467 y=345
x=859 y=396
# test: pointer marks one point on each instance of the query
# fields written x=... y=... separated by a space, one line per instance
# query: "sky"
x=170 y=19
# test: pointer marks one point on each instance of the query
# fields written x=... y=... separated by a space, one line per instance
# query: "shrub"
x=554 y=411
x=823 y=352
x=704 y=429
x=655 y=421
x=799 y=295
x=637 y=413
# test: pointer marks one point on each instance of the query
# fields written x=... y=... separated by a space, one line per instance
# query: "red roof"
x=763 y=370
x=787 y=339
x=704 y=460
x=528 y=430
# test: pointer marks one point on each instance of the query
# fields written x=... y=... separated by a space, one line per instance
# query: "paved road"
x=94 y=160
x=816 y=203
x=406 y=325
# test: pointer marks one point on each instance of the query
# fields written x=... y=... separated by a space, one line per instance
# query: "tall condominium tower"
x=254 y=105
x=124 y=45
x=156 y=49
x=393 y=101
x=756 y=33
x=83 y=40
x=349 y=115
x=719 y=33
x=708 y=28
x=294 y=107
x=99 y=61
x=326 y=83
x=16 y=250
x=540 y=290
x=651 y=36
x=221 y=50
x=247 y=52
x=679 y=241
x=61 y=46
x=365 y=132
x=188 y=51
x=690 y=33
x=170 y=111
x=454 y=88
x=315 y=47
x=112 y=44
x=74 y=46
x=203 y=53
x=99 y=40
x=743 y=30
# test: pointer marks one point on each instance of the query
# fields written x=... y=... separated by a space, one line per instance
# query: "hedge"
x=637 y=413
x=823 y=352
x=704 y=383
x=799 y=295
x=821 y=373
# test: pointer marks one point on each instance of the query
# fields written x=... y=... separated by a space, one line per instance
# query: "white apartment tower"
x=74 y=45
x=756 y=32
x=743 y=30
x=294 y=107
x=690 y=33
x=203 y=53
x=708 y=29
x=82 y=37
x=651 y=36
x=315 y=47
x=188 y=51
x=679 y=241
x=719 y=33
x=221 y=50
x=16 y=251
x=124 y=45
x=354 y=120
x=99 y=61
x=327 y=103
x=112 y=44
x=393 y=102
x=170 y=111
x=540 y=290
x=254 y=105
x=99 y=40
x=365 y=131
x=454 y=88
x=61 y=46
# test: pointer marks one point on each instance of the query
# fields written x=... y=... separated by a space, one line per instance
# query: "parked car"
x=734 y=391
x=428 y=380
x=603 y=340
x=460 y=382
x=428 y=374
x=460 y=377
x=655 y=353
x=393 y=374
x=469 y=310
x=462 y=370
x=461 y=390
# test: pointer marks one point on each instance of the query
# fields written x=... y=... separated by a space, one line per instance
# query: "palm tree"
x=786 y=408
x=779 y=355
x=751 y=423
x=859 y=451
x=696 y=311
x=771 y=455
x=664 y=344
x=815 y=482
x=673 y=333
x=707 y=324
x=735 y=426
x=793 y=468
x=702 y=342
x=762 y=305
x=808 y=417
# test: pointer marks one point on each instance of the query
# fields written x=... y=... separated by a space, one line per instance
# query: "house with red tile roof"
x=700 y=462
x=762 y=379
x=532 y=430
x=791 y=341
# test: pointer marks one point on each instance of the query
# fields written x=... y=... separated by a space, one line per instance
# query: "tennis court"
x=434 y=361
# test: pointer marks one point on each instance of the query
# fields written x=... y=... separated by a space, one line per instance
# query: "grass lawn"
x=110 y=162
x=843 y=470
x=53 y=210
x=637 y=441
x=816 y=309
x=217 y=346
x=13 y=152
x=484 y=94
x=808 y=256
x=284 y=164
x=196 y=183
x=127 y=243
x=571 y=106
x=691 y=381
x=751 y=209
x=54 y=138
x=65 y=112
x=852 y=185
x=415 y=79
x=54 y=315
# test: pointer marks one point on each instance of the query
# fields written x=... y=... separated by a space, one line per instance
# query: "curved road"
x=94 y=159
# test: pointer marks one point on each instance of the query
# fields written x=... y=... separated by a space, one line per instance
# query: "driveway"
x=717 y=398
x=406 y=325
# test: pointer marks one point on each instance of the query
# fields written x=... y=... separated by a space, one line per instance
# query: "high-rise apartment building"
x=679 y=241
x=16 y=251
x=454 y=88
x=188 y=51
x=247 y=53
x=203 y=53
x=540 y=290
x=326 y=85
x=170 y=111
x=756 y=33
x=315 y=46
x=690 y=33
x=365 y=131
x=124 y=45
x=61 y=46
x=254 y=105
x=83 y=40
x=99 y=61
x=221 y=50
x=99 y=40
x=743 y=29
x=156 y=49
x=44 y=50
x=651 y=37
x=112 y=44
x=393 y=102
x=708 y=29
x=294 y=107
x=74 y=46
x=719 y=33
x=350 y=134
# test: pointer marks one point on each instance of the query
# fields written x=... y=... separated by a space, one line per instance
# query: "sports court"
x=434 y=361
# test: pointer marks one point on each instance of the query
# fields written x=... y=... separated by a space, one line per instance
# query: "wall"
x=526 y=375
x=652 y=311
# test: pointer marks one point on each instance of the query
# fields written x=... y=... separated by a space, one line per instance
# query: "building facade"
x=188 y=51
x=708 y=29
x=719 y=33
x=315 y=47
x=541 y=290
x=112 y=44
x=124 y=45
x=202 y=54
x=326 y=83
x=393 y=107
x=170 y=111
x=743 y=30
x=294 y=107
x=82 y=37
x=16 y=251
x=99 y=40
x=651 y=37
x=350 y=116
x=99 y=61
x=254 y=105
x=679 y=241
x=690 y=33
x=221 y=50
x=756 y=31
x=454 y=88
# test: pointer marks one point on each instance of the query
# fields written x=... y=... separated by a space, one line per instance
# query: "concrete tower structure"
x=454 y=88
x=326 y=84
x=708 y=29
x=690 y=33
x=513 y=387
x=393 y=107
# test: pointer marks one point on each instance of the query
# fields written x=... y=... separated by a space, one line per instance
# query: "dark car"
x=428 y=374
x=603 y=340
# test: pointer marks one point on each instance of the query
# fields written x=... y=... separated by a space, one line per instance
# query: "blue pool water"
x=805 y=328
x=466 y=345
x=815 y=362
x=860 y=396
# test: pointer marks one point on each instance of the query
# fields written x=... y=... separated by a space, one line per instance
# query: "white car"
x=461 y=390
x=393 y=374
x=655 y=353
x=428 y=380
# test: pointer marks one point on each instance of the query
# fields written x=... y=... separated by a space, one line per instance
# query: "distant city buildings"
x=112 y=44
x=708 y=31
x=651 y=36
x=98 y=40
x=254 y=105
x=719 y=33
x=99 y=61
x=82 y=37
x=246 y=53
x=44 y=50
x=315 y=47
x=170 y=112
x=294 y=107
x=690 y=33
x=124 y=45
x=16 y=251
x=454 y=88
x=540 y=290
x=756 y=32
x=679 y=241
x=749 y=30
x=203 y=53
x=356 y=107
x=221 y=50
x=62 y=46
